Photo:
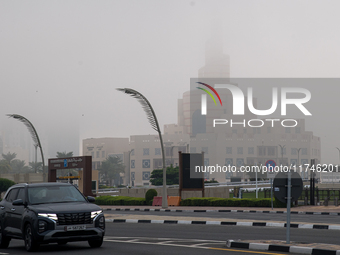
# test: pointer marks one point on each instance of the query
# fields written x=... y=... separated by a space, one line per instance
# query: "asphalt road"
x=308 y=218
x=149 y=239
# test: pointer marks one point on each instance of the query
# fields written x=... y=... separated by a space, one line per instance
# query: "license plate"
x=75 y=228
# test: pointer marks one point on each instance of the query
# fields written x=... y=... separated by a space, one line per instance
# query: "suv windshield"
x=54 y=194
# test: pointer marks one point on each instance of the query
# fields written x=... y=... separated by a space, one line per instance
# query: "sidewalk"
x=263 y=245
x=305 y=209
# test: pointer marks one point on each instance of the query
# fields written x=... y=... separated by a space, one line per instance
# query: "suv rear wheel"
x=4 y=240
x=30 y=243
x=96 y=243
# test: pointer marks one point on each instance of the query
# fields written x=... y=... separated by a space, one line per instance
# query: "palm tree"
x=64 y=154
x=19 y=166
x=35 y=166
x=111 y=169
x=9 y=157
x=5 y=167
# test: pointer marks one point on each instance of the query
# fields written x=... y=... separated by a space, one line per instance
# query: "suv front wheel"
x=30 y=243
x=96 y=243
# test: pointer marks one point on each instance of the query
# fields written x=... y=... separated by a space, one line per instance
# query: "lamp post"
x=154 y=123
x=178 y=145
x=339 y=160
x=171 y=152
x=35 y=157
x=130 y=166
x=35 y=138
x=282 y=147
x=298 y=150
x=168 y=151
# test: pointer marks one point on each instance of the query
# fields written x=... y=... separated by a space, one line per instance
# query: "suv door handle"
x=13 y=209
x=2 y=207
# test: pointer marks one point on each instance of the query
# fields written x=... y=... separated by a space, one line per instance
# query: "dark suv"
x=49 y=213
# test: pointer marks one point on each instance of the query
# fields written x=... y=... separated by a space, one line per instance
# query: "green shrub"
x=278 y=204
x=149 y=195
x=119 y=200
x=5 y=184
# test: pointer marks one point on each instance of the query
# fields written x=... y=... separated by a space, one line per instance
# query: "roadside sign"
x=270 y=164
x=280 y=186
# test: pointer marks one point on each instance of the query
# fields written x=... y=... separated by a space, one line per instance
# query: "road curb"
x=280 y=248
x=222 y=211
x=228 y=223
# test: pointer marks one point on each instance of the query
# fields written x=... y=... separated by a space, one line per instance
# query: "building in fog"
x=102 y=148
x=222 y=145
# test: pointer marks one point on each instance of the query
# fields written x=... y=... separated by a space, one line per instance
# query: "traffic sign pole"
x=289 y=193
x=287 y=188
x=271 y=191
x=257 y=196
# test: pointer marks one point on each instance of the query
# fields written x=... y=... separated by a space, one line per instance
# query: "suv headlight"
x=51 y=216
x=95 y=213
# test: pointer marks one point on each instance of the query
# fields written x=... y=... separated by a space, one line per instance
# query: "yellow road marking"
x=256 y=252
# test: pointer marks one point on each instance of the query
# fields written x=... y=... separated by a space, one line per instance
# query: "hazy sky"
x=61 y=61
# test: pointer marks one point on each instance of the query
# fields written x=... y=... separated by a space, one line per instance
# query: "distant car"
x=49 y=213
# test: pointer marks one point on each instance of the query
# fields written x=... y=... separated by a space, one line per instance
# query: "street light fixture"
x=150 y=113
x=35 y=138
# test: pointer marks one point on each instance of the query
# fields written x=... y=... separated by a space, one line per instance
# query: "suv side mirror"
x=18 y=202
x=91 y=199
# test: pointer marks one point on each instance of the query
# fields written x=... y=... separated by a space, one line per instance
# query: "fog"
x=61 y=61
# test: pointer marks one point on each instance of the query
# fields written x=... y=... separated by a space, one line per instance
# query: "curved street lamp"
x=35 y=138
x=154 y=123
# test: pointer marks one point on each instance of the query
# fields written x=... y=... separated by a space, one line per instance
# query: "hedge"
x=237 y=202
x=119 y=200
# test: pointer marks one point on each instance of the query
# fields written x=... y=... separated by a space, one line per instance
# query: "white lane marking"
x=169 y=242
x=106 y=238
x=165 y=244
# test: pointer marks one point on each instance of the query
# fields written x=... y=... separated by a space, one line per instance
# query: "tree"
x=35 y=167
x=19 y=166
x=5 y=167
x=5 y=184
x=111 y=169
x=172 y=176
x=64 y=154
x=9 y=157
